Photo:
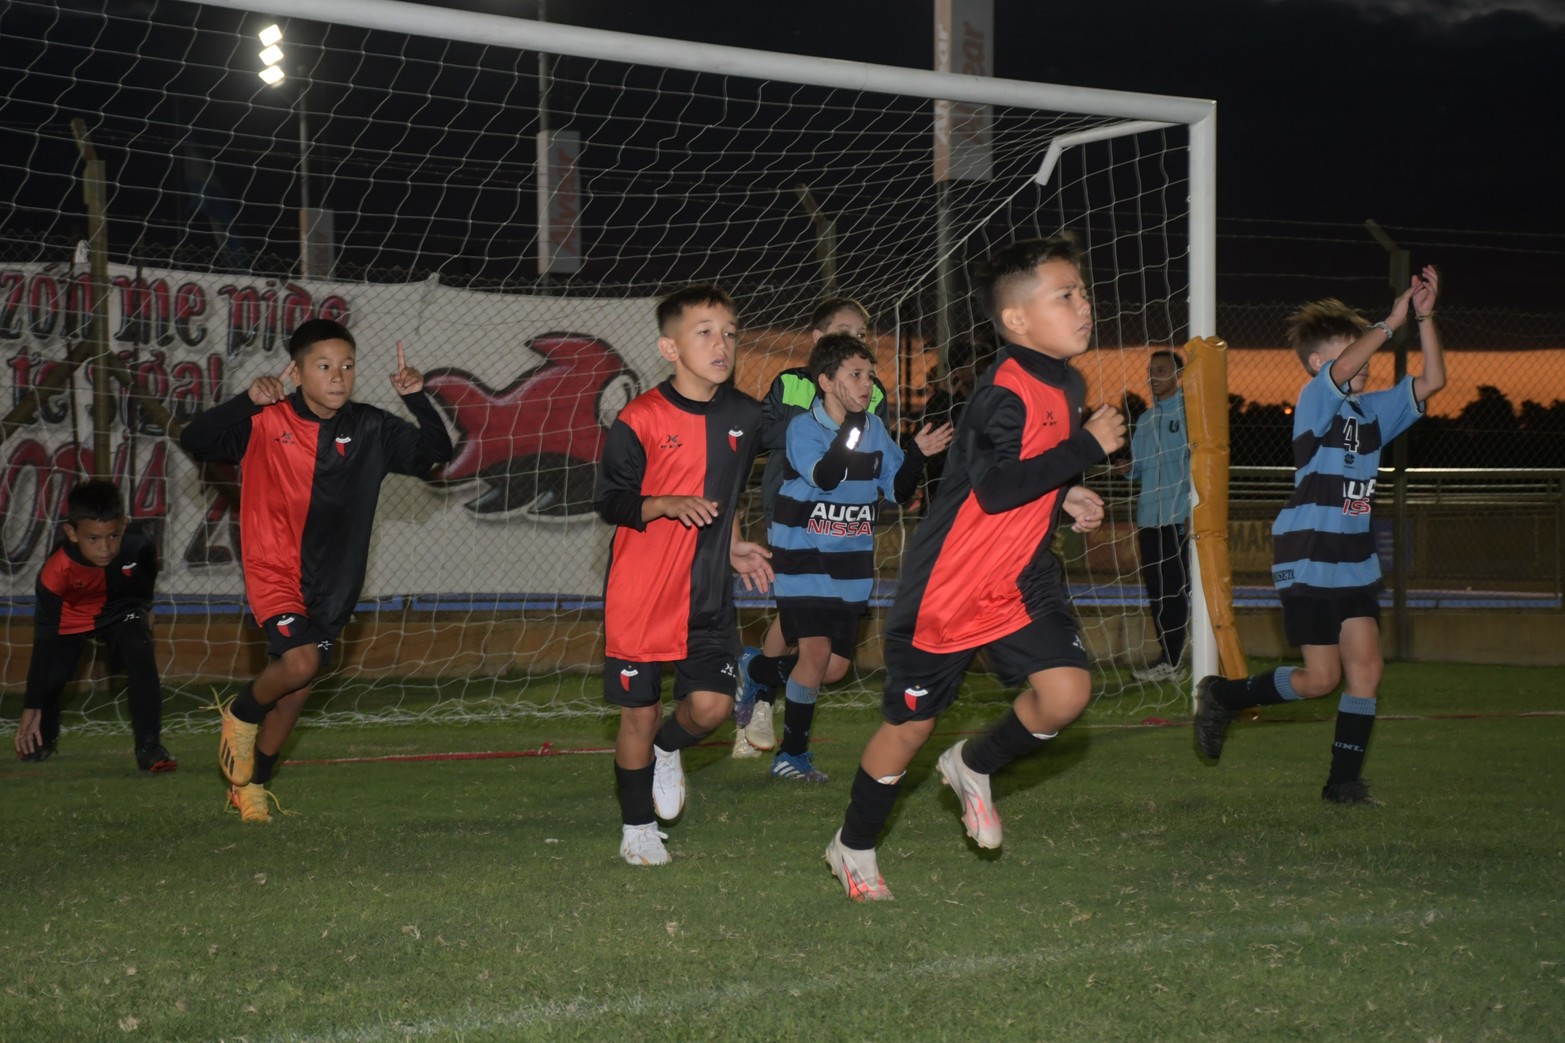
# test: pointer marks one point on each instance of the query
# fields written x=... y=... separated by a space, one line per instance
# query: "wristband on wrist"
x=1384 y=327
x=1420 y=318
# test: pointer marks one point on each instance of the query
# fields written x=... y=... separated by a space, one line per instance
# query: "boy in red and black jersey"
x=979 y=571
x=310 y=465
x=674 y=464
x=98 y=583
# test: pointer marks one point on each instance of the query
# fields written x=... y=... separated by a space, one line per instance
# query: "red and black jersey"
x=665 y=580
x=308 y=491
x=980 y=564
x=75 y=596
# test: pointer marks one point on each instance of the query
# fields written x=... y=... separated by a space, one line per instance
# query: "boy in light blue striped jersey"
x=841 y=463
x=1324 y=563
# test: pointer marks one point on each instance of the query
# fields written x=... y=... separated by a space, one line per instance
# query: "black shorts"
x=922 y=685
x=1318 y=620
x=711 y=664
x=295 y=629
x=840 y=624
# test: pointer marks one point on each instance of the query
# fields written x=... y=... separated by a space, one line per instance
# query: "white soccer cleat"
x=979 y=815
x=759 y=731
x=643 y=845
x=857 y=871
x=668 y=784
x=1158 y=672
x=742 y=748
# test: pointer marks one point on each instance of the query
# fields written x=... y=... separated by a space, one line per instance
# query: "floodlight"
x=270 y=35
x=272 y=75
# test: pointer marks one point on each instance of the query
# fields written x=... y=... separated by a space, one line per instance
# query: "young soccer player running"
x=311 y=464
x=98 y=583
x=979 y=571
x=763 y=671
x=674 y=464
x=1323 y=559
x=841 y=462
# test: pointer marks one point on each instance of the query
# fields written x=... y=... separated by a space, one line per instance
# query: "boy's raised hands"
x=266 y=391
x=406 y=380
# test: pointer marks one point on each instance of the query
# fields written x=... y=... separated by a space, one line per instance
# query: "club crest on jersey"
x=128 y=568
x=626 y=675
x=283 y=625
x=342 y=444
x=734 y=434
x=533 y=445
x=912 y=695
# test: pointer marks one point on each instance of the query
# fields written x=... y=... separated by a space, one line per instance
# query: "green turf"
x=1141 y=894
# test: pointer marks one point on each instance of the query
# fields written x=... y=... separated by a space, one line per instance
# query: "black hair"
x=1165 y=353
x=312 y=331
x=1013 y=265
x=674 y=305
x=832 y=350
x=97 y=500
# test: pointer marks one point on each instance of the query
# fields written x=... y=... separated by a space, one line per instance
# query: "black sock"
x=1263 y=689
x=1355 y=720
x=246 y=708
x=1004 y=741
x=635 y=795
x=869 y=805
x=771 y=673
x=673 y=737
x=798 y=715
x=265 y=767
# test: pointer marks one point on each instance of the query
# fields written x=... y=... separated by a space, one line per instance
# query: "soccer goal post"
x=508 y=198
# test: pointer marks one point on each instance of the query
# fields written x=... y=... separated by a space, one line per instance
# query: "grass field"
x=1140 y=894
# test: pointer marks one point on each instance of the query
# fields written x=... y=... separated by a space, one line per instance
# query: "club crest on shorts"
x=626 y=675
x=734 y=434
x=912 y=695
x=342 y=444
x=283 y=624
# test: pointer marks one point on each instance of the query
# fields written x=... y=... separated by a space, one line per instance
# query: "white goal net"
x=508 y=199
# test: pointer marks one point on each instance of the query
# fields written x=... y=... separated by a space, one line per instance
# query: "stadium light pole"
x=272 y=74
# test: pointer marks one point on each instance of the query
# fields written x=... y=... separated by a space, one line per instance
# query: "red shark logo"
x=912 y=695
x=536 y=444
x=625 y=676
x=734 y=434
x=282 y=626
x=342 y=444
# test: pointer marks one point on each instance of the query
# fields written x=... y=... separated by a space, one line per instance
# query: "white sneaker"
x=972 y=789
x=759 y=730
x=1158 y=672
x=857 y=870
x=643 y=845
x=742 y=748
x=668 y=784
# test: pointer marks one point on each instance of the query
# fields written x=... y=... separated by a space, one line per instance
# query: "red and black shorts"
x=295 y=629
x=711 y=664
x=922 y=685
x=1312 y=620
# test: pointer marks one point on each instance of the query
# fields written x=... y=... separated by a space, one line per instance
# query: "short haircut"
x=1165 y=353
x=98 y=500
x=1320 y=321
x=823 y=313
x=673 y=306
x=1013 y=266
x=312 y=331
x=832 y=350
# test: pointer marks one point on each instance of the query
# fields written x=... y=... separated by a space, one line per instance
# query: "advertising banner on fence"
x=528 y=386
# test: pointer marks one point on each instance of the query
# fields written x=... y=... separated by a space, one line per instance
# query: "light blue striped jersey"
x=822 y=540
x=1160 y=464
x=1321 y=541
